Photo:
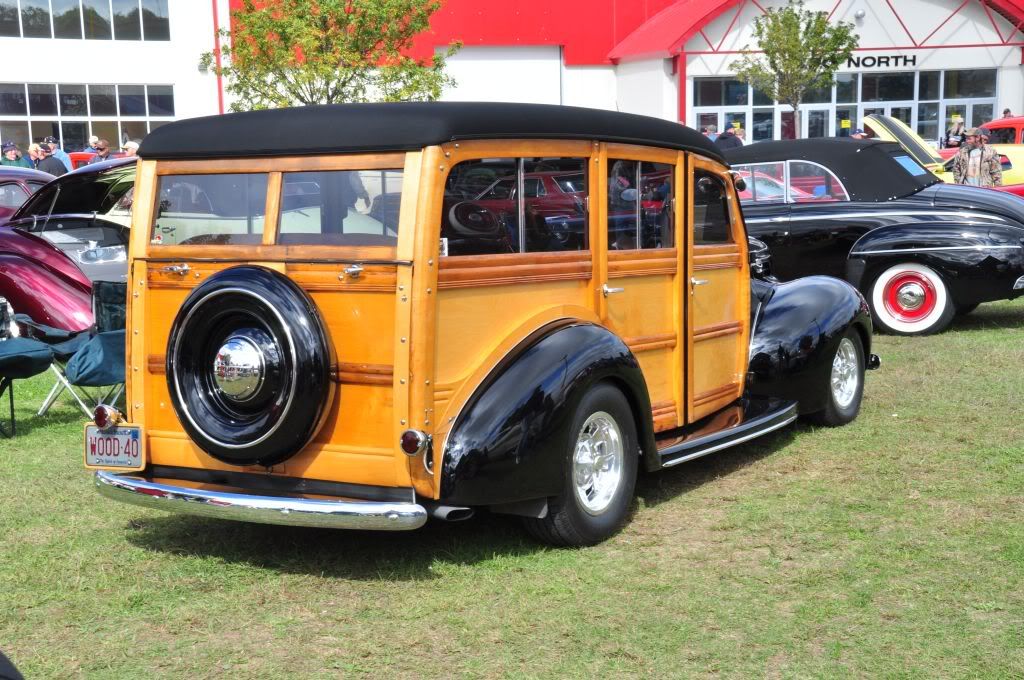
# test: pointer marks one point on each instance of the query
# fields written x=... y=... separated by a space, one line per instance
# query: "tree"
x=293 y=52
x=800 y=52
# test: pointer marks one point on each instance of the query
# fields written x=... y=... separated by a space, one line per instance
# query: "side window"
x=33 y=187
x=340 y=207
x=766 y=182
x=11 y=195
x=712 y=223
x=809 y=182
x=1002 y=136
x=210 y=209
x=639 y=205
x=483 y=212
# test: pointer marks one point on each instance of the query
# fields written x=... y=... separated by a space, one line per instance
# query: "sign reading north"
x=885 y=61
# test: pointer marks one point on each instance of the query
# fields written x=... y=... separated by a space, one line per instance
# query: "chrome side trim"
x=1019 y=284
x=305 y=512
x=734 y=442
x=887 y=213
x=928 y=250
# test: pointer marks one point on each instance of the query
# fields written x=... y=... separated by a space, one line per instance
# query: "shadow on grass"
x=360 y=555
x=407 y=555
x=665 y=485
x=28 y=421
x=988 y=317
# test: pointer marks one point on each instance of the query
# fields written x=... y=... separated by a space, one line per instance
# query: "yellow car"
x=894 y=130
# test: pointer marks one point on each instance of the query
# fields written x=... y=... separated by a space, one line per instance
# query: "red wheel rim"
x=910 y=296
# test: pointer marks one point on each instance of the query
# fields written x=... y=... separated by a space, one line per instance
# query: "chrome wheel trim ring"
x=845 y=377
x=911 y=296
x=598 y=459
x=239 y=368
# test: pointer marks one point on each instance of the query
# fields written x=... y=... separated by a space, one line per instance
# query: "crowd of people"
x=47 y=156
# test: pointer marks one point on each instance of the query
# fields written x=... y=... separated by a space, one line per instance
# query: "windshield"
x=86 y=193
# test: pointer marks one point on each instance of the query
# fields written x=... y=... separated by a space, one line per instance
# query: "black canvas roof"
x=871 y=170
x=406 y=126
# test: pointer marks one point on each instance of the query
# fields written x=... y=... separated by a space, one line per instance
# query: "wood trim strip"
x=663 y=415
x=642 y=262
x=715 y=394
x=718 y=330
x=345 y=373
x=661 y=407
x=646 y=343
x=354 y=161
x=365 y=374
x=496 y=270
x=721 y=265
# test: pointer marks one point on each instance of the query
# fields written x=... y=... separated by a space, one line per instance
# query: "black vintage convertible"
x=921 y=251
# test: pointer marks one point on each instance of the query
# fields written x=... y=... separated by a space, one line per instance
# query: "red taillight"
x=106 y=416
x=413 y=441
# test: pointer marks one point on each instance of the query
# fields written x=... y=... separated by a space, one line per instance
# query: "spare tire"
x=249 y=365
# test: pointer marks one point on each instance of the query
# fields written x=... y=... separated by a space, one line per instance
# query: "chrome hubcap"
x=238 y=368
x=845 y=374
x=597 y=462
x=911 y=296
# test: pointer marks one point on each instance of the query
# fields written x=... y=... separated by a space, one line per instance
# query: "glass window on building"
x=102 y=100
x=14 y=131
x=981 y=114
x=846 y=120
x=846 y=88
x=928 y=87
x=67 y=19
x=720 y=91
x=131 y=100
x=9 y=25
x=133 y=131
x=74 y=135
x=762 y=98
x=35 y=18
x=887 y=87
x=763 y=127
x=96 y=19
x=72 y=100
x=707 y=120
x=736 y=120
x=42 y=100
x=127 y=22
x=817 y=123
x=106 y=129
x=928 y=120
x=41 y=129
x=820 y=95
x=155 y=20
x=161 y=100
x=12 y=99
x=970 y=84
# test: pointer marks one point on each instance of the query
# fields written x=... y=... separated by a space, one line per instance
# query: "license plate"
x=119 y=448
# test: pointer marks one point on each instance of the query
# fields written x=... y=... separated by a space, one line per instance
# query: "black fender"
x=978 y=263
x=797 y=327
x=510 y=441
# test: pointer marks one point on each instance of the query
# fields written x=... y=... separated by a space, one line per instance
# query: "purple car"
x=16 y=185
x=71 y=232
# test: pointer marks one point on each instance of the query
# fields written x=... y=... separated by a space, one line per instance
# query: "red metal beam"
x=900 y=19
x=707 y=40
x=946 y=21
x=991 y=19
x=216 y=56
x=732 y=25
x=834 y=9
x=680 y=65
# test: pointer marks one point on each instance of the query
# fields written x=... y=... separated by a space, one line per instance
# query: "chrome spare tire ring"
x=249 y=366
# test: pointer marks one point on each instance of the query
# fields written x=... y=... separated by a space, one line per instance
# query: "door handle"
x=606 y=291
x=697 y=282
x=182 y=269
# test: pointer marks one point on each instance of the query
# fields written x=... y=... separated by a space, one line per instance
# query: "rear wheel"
x=845 y=386
x=600 y=473
x=911 y=299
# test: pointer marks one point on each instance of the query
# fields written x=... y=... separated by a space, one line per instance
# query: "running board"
x=745 y=420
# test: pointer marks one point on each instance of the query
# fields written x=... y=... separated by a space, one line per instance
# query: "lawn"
x=894 y=546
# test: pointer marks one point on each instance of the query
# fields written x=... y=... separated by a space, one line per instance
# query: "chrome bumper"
x=305 y=512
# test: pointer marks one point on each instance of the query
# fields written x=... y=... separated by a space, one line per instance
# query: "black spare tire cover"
x=249 y=366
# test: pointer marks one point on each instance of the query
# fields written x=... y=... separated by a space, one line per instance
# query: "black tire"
x=843 y=407
x=264 y=313
x=569 y=522
x=929 y=312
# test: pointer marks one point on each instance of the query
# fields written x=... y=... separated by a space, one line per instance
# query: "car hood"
x=32 y=247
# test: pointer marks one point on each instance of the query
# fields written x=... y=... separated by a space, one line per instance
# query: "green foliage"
x=801 y=52
x=302 y=52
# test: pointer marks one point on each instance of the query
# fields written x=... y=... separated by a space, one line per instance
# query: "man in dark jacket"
x=728 y=140
x=48 y=163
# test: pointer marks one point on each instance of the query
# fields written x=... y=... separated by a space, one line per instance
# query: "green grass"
x=891 y=547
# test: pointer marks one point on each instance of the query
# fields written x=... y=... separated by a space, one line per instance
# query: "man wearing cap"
x=130 y=148
x=977 y=164
x=93 y=141
x=858 y=134
x=102 y=152
x=11 y=157
x=58 y=153
x=49 y=163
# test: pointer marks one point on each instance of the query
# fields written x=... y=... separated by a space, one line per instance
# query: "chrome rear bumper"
x=306 y=512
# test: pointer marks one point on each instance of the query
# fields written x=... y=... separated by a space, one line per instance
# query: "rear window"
x=910 y=165
x=341 y=207
x=85 y=193
x=210 y=209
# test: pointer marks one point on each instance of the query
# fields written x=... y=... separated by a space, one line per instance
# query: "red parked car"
x=16 y=185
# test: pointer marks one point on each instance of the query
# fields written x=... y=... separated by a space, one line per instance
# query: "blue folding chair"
x=19 y=358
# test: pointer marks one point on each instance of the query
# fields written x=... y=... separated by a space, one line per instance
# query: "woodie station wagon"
x=359 y=316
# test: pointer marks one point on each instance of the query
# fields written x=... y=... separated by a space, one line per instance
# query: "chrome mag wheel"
x=597 y=462
x=845 y=374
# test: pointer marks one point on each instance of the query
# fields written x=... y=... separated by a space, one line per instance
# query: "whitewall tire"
x=911 y=299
